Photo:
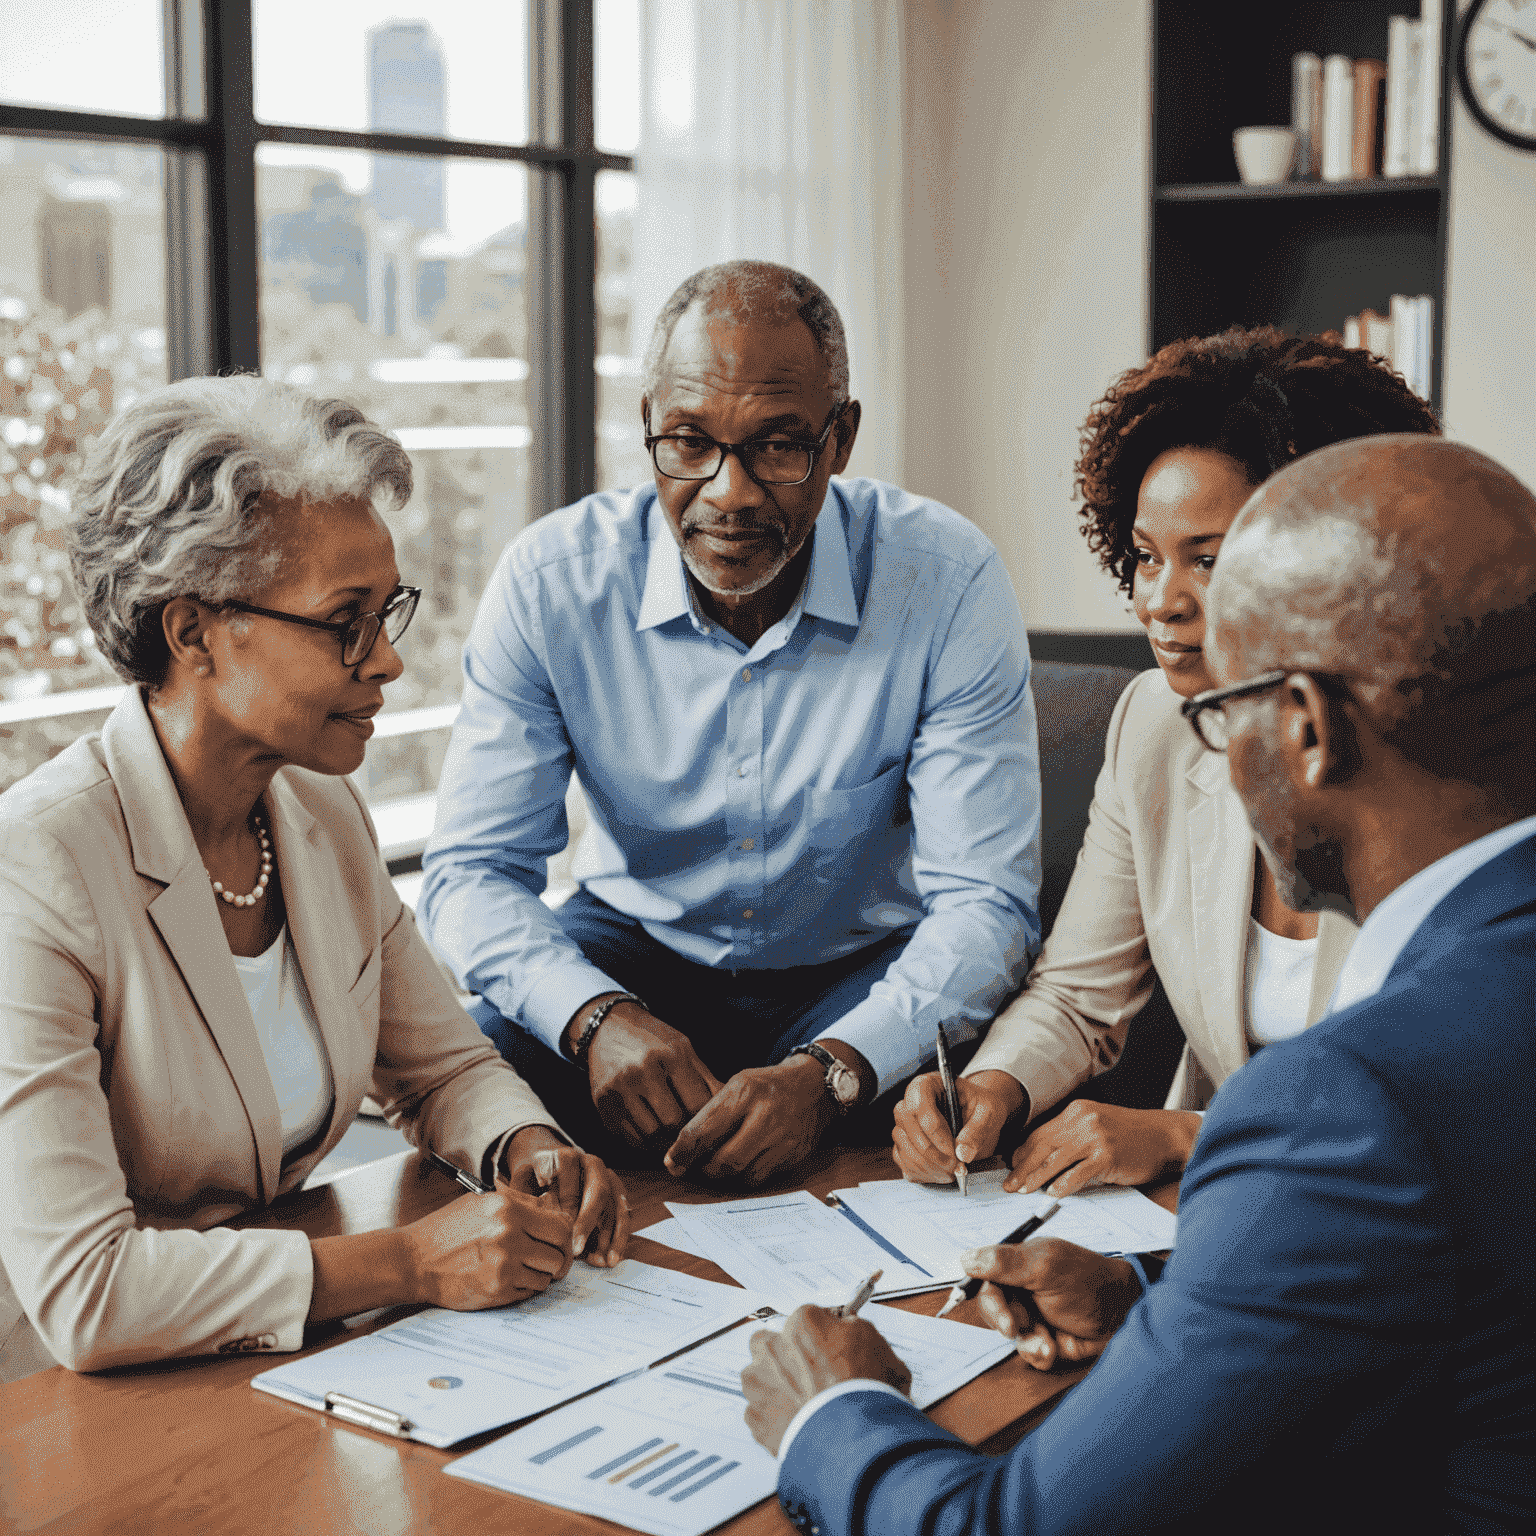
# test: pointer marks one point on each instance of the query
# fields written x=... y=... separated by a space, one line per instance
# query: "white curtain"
x=773 y=129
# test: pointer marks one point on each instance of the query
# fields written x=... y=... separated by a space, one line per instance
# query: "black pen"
x=463 y=1180
x=969 y=1290
x=951 y=1104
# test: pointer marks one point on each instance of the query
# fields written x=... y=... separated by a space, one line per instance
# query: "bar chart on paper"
x=669 y=1452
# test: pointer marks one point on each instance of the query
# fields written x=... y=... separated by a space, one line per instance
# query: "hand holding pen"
x=968 y=1290
x=952 y=1115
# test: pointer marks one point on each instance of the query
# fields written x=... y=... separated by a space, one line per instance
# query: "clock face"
x=1496 y=67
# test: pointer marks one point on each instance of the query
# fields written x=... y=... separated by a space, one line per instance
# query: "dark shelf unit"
x=1300 y=255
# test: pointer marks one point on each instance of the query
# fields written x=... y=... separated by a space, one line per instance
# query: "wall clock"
x=1496 y=68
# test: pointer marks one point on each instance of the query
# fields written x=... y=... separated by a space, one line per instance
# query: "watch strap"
x=833 y=1068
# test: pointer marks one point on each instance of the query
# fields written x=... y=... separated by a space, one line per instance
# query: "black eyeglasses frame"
x=736 y=448
x=342 y=628
x=1215 y=698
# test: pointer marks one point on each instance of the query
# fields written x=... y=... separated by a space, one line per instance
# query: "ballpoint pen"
x=463 y=1180
x=968 y=1290
x=850 y=1308
x=951 y=1104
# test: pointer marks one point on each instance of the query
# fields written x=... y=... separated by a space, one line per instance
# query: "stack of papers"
x=934 y=1224
x=454 y=1374
x=669 y=1452
x=794 y=1248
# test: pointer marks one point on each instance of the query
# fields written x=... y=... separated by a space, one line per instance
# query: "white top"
x=290 y=1038
x=1276 y=984
x=1385 y=933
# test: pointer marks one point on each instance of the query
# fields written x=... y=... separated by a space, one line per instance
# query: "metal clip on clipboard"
x=366 y=1416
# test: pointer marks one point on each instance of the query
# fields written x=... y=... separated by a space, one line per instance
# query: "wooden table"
x=190 y=1447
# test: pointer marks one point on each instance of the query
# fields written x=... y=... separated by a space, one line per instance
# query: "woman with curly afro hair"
x=1169 y=880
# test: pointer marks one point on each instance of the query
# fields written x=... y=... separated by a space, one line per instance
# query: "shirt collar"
x=1386 y=932
x=827 y=593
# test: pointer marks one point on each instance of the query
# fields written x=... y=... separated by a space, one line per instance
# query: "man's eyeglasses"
x=358 y=636
x=777 y=459
x=1207 y=713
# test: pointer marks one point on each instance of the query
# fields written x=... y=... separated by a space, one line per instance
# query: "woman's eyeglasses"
x=358 y=636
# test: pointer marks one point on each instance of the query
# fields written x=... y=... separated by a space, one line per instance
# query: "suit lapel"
x=1221 y=854
x=186 y=915
x=316 y=898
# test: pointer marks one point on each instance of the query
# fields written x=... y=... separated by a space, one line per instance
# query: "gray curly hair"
x=752 y=290
x=168 y=503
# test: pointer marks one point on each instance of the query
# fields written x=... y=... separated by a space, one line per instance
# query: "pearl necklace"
x=266 y=869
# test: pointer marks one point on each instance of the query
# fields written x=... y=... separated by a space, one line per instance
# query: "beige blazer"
x=136 y=1109
x=1164 y=884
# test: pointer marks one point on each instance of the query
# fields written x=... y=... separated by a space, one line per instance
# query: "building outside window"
x=466 y=283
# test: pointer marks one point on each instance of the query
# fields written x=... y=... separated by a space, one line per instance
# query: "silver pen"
x=463 y=1180
x=850 y=1308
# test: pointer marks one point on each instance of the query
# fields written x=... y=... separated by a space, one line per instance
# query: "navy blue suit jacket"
x=1342 y=1339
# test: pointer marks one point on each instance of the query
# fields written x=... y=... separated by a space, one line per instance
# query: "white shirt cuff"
x=839 y=1389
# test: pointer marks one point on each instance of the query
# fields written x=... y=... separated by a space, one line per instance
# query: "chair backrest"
x=1073 y=704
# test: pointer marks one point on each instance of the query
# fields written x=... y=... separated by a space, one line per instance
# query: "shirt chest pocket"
x=842 y=823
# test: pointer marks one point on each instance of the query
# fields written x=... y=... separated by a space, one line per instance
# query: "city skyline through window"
x=421 y=286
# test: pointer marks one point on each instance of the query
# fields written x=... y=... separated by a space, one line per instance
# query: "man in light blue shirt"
x=799 y=710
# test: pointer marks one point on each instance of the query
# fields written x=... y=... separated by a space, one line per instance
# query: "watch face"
x=1496 y=68
x=845 y=1084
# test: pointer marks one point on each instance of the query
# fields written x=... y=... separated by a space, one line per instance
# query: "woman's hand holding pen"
x=584 y=1187
x=486 y=1250
x=925 y=1151
x=1066 y=1301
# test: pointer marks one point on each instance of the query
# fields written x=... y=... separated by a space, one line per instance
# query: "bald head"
x=1407 y=565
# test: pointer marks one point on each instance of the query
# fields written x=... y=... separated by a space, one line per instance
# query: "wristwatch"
x=842 y=1082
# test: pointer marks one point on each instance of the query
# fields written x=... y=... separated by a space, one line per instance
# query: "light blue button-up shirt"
x=868 y=767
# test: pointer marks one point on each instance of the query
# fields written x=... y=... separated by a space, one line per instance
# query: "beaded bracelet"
x=599 y=1013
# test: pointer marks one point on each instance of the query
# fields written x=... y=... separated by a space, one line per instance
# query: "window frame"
x=211 y=134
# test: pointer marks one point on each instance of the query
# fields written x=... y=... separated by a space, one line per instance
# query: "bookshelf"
x=1300 y=255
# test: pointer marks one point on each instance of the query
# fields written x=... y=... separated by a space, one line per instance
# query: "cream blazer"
x=1164 y=884
x=136 y=1109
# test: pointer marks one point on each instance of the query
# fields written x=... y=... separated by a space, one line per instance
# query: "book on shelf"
x=1426 y=148
x=1402 y=91
x=1338 y=117
x=1370 y=81
x=1401 y=337
x=1307 y=114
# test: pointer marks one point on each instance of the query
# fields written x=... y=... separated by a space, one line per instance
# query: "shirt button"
x=741 y=772
x=746 y=674
x=749 y=844
x=747 y=913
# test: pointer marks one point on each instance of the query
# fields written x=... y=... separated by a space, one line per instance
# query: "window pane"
x=458 y=68
x=82 y=331
x=407 y=297
x=616 y=87
x=87 y=55
x=621 y=338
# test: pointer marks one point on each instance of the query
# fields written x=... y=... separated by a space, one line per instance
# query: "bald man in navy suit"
x=1342 y=1340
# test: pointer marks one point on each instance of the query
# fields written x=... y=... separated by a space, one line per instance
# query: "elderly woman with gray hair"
x=204 y=966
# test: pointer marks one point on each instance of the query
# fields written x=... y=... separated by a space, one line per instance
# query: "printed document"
x=668 y=1452
x=932 y=1224
x=454 y=1374
x=792 y=1248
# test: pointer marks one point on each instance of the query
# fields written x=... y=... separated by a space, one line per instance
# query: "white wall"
x=1028 y=125
x=1490 y=309
x=1027 y=163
